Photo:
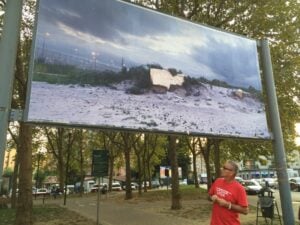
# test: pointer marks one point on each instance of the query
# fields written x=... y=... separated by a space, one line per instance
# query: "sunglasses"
x=226 y=168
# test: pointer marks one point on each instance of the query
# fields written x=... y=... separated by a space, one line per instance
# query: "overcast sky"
x=121 y=30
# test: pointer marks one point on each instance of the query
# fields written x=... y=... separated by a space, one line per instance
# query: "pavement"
x=114 y=213
x=120 y=212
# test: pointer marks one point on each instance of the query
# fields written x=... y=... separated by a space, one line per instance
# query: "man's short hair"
x=234 y=165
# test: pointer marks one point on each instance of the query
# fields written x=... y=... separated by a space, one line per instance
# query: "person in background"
x=228 y=196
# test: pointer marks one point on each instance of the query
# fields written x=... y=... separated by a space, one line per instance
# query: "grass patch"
x=46 y=214
x=7 y=216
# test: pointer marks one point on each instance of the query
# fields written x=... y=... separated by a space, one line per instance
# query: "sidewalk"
x=113 y=212
x=124 y=214
x=116 y=211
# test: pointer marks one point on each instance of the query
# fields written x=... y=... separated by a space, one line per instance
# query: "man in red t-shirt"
x=229 y=197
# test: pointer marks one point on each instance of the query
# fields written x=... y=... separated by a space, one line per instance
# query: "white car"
x=41 y=191
x=271 y=182
x=132 y=185
x=116 y=186
x=102 y=187
x=252 y=186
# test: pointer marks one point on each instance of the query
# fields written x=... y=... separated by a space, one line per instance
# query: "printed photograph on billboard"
x=112 y=64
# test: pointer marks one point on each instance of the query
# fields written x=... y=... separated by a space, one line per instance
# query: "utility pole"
x=8 y=52
x=278 y=145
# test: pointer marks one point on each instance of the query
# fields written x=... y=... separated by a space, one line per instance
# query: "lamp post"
x=43 y=55
x=94 y=56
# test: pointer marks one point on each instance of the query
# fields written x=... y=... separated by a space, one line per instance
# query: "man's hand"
x=220 y=201
x=223 y=202
x=214 y=198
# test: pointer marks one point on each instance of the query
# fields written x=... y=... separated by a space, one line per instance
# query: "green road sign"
x=100 y=163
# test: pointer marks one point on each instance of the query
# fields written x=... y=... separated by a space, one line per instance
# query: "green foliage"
x=276 y=21
x=141 y=77
x=8 y=172
x=183 y=156
x=39 y=177
x=7 y=216
x=189 y=81
x=44 y=214
x=242 y=150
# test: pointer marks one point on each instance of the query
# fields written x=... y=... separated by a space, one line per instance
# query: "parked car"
x=132 y=185
x=116 y=186
x=270 y=181
x=295 y=183
x=102 y=187
x=203 y=178
x=136 y=185
x=155 y=184
x=252 y=186
x=183 y=182
x=41 y=191
x=240 y=180
x=147 y=184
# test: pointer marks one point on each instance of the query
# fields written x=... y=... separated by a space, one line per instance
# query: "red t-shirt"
x=233 y=192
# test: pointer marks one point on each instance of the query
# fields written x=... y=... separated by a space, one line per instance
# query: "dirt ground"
x=197 y=210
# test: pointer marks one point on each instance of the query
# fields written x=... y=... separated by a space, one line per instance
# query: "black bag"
x=267 y=206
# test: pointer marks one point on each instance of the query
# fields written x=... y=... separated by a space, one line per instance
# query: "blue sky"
x=117 y=29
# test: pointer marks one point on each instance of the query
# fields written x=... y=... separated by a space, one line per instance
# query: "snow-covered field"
x=214 y=112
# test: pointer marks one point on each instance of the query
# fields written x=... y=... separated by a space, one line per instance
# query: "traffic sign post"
x=99 y=169
x=100 y=163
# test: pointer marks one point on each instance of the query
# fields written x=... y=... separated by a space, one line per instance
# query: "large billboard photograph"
x=113 y=64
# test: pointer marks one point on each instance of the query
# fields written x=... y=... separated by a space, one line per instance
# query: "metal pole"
x=278 y=145
x=98 y=201
x=8 y=52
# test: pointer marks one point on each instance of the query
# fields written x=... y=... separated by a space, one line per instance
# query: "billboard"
x=166 y=172
x=112 y=64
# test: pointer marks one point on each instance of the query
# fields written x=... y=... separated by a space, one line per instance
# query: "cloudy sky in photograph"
x=114 y=29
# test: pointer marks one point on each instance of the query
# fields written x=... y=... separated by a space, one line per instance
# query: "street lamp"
x=94 y=56
x=47 y=34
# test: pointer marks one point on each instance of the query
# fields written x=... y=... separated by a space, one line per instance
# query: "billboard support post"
x=8 y=53
x=277 y=142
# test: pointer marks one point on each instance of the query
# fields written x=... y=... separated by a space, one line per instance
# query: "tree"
x=193 y=146
x=153 y=150
x=127 y=142
x=24 y=151
x=60 y=141
x=276 y=21
x=109 y=140
x=176 y=195
x=205 y=145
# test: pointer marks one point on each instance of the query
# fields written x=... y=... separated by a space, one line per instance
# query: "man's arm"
x=231 y=206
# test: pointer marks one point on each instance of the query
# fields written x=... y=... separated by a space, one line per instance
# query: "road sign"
x=100 y=163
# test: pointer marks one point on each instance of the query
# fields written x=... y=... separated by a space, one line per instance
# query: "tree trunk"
x=144 y=162
x=127 y=148
x=15 y=180
x=139 y=165
x=60 y=160
x=205 y=150
x=176 y=196
x=24 y=205
x=195 y=170
x=217 y=157
x=81 y=161
x=110 y=169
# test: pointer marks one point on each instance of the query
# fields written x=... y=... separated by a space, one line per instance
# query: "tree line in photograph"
x=273 y=20
x=54 y=73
